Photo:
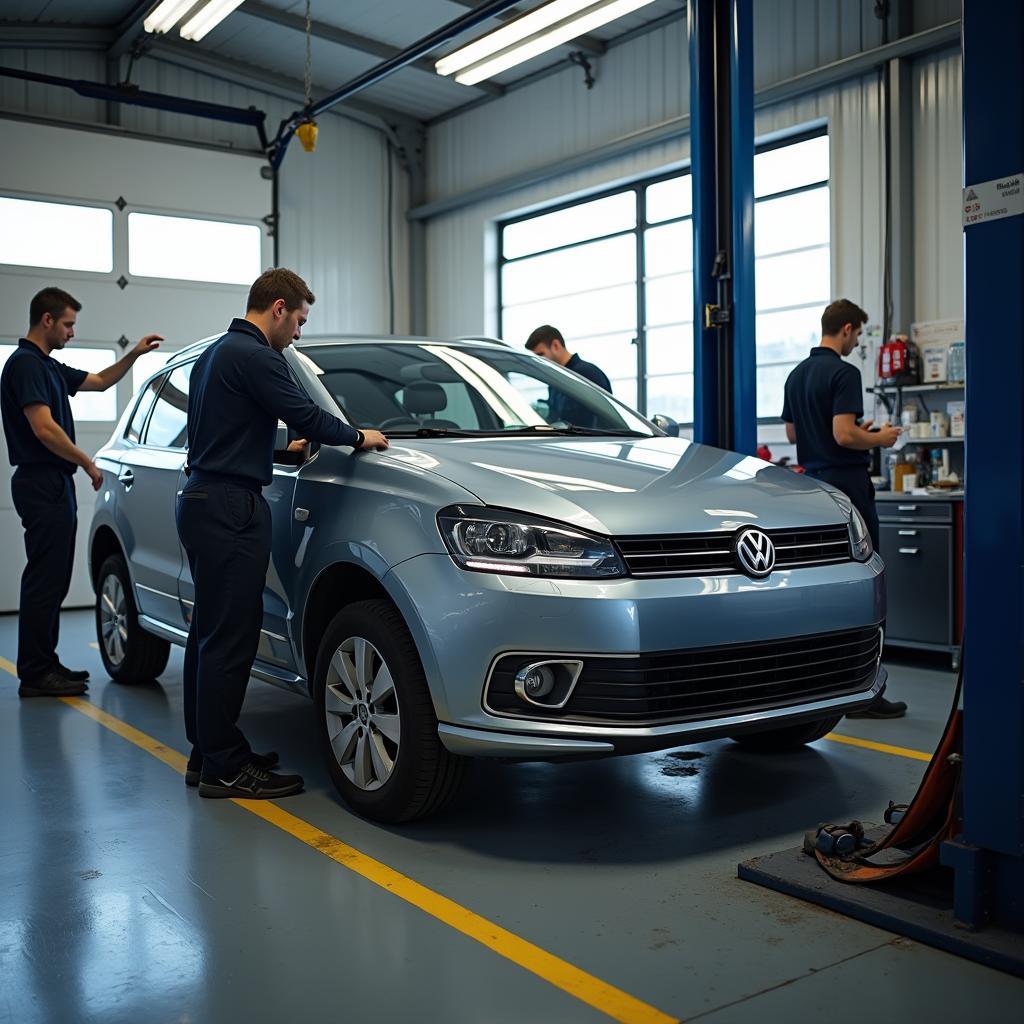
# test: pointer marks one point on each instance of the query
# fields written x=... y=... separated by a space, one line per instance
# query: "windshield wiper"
x=432 y=432
x=571 y=429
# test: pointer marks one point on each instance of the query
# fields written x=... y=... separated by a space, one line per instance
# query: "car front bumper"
x=464 y=621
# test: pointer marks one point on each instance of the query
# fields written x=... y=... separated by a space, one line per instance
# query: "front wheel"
x=375 y=718
x=788 y=738
x=129 y=653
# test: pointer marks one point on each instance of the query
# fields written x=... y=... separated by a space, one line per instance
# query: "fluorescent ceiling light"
x=165 y=16
x=208 y=18
x=507 y=35
x=544 y=41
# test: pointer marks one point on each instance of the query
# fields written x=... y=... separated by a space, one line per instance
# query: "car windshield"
x=434 y=389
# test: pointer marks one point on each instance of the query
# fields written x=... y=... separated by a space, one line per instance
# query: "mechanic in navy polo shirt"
x=40 y=432
x=240 y=388
x=547 y=341
x=822 y=409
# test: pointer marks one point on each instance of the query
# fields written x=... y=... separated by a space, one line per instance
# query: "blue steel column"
x=741 y=95
x=989 y=857
x=722 y=169
x=700 y=18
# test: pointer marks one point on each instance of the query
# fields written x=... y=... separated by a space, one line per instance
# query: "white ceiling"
x=251 y=37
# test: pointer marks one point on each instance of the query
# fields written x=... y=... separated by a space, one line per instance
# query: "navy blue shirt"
x=820 y=387
x=240 y=387
x=33 y=378
x=562 y=407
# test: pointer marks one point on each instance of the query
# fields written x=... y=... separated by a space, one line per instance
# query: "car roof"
x=319 y=340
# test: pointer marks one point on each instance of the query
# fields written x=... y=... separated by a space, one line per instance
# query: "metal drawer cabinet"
x=918 y=569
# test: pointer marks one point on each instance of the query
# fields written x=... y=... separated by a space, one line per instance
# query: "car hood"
x=625 y=486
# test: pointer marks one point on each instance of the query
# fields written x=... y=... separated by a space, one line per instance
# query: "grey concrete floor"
x=124 y=897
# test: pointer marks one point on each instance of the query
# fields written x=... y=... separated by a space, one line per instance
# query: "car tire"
x=788 y=738
x=384 y=755
x=129 y=653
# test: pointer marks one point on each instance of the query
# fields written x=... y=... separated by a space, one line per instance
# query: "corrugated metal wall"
x=938 y=232
x=333 y=202
x=645 y=82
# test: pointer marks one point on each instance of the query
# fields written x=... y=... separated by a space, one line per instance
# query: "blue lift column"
x=722 y=169
x=988 y=858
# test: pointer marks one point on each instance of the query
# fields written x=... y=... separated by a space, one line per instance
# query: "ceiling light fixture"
x=509 y=34
x=589 y=19
x=166 y=15
x=209 y=17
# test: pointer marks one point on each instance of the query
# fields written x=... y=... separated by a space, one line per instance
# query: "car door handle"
x=127 y=478
x=908 y=551
x=908 y=533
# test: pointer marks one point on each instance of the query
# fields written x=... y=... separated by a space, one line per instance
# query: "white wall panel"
x=938 y=241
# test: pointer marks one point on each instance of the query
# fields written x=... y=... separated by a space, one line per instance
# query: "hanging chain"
x=309 y=56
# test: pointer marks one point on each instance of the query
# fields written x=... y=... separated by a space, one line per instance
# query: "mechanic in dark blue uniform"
x=547 y=341
x=239 y=389
x=34 y=395
x=823 y=404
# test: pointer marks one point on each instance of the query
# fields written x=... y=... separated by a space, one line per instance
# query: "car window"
x=145 y=403
x=169 y=419
x=434 y=385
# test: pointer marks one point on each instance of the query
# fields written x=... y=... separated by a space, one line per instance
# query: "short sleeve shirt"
x=820 y=387
x=32 y=378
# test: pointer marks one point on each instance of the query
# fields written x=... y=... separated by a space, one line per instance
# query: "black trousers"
x=856 y=484
x=45 y=501
x=226 y=532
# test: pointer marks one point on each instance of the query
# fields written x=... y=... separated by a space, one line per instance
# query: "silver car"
x=500 y=585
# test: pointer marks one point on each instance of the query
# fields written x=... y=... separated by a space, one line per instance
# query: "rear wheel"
x=790 y=737
x=375 y=718
x=129 y=653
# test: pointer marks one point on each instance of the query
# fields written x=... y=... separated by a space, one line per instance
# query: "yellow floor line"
x=605 y=998
x=8 y=667
x=884 y=748
x=95 y=646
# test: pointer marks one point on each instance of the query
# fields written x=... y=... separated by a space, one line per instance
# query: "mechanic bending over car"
x=40 y=430
x=823 y=404
x=547 y=342
x=240 y=388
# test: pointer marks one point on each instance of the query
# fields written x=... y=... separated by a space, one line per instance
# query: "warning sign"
x=991 y=200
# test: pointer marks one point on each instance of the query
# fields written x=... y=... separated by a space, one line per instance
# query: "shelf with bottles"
x=934 y=440
x=910 y=388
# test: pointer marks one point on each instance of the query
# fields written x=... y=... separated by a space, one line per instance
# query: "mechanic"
x=34 y=395
x=547 y=341
x=822 y=410
x=240 y=388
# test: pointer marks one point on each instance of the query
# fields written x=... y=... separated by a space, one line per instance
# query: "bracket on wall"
x=122 y=282
x=123 y=342
x=579 y=58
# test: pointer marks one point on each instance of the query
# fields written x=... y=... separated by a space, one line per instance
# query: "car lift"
x=971 y=901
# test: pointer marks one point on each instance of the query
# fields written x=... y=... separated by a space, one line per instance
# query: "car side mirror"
x=666 y=423
x=283 y=457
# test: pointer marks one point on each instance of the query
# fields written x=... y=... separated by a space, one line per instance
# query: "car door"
x=147 y=486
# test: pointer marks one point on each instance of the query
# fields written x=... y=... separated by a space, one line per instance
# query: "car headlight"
x=860 y=539
x=492 y=540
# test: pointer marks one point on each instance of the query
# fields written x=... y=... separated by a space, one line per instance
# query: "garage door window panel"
x=60 y=236
x=92 y=406
x=578 y=223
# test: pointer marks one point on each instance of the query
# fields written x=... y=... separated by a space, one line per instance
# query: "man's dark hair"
x=542 y=335
x=840 y=313
x=53 y=301
x=278 y=283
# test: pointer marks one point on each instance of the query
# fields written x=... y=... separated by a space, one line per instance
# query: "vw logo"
x=755 y=553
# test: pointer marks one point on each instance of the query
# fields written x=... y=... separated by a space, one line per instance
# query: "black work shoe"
x=251 y=782
x=75 y=675
x=53 y=684
x=881 y=708
x=194 y=768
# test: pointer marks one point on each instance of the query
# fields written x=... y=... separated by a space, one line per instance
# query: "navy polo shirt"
x=562 y=407
x=31 y=377
x=240 y=387
x=822 y=386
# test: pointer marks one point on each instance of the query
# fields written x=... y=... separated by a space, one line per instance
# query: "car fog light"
x=549 y=683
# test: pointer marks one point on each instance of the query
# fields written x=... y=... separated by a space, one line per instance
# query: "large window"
x=57 y=235
x=615 y=275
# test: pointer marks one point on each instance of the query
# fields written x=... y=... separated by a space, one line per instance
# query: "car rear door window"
x=168 y=421
x=137 y=423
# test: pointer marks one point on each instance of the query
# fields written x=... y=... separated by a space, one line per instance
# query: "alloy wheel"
x=114 y=619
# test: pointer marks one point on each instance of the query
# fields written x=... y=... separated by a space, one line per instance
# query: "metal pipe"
x=381 y=71
x=679 y=127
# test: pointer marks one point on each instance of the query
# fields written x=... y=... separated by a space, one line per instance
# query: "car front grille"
x=702 y=682
x=710 y=554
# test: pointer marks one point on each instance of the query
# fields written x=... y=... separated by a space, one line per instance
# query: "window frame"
x=639 y=187
x=166 y=372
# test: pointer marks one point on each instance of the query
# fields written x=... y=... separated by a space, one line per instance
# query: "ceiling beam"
x=129 y=30
x=351 y=40
x=590 y=45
